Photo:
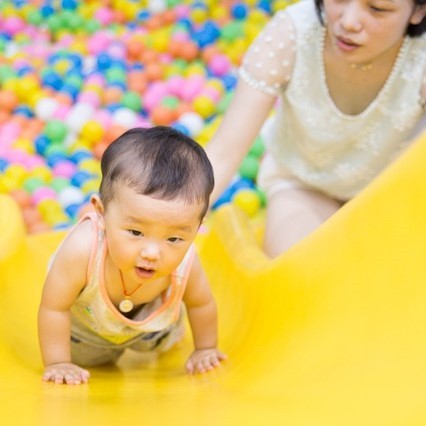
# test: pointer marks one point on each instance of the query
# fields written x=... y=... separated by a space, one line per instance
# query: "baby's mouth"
x=145 y=272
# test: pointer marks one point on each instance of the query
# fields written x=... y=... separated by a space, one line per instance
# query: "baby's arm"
x=64 y=281
x=264 y=75
x=202 y=315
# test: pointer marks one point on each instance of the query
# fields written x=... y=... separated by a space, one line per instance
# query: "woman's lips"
x=345 y=44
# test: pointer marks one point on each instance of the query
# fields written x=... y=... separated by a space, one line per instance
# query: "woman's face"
x=362 y=31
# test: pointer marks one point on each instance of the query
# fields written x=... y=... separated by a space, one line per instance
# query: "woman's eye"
x=135 y=233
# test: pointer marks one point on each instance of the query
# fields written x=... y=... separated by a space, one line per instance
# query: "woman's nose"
x=351 y=19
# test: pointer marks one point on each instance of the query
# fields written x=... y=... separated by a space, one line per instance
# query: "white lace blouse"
x=310 y=138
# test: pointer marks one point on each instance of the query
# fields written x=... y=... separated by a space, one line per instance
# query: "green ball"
x=132 y=100
x=230 y=32
x=249 y=167
x=257 y=148
x=35 y=18
x=59 y=183
x=224 y=103
x=54 y=22
x=115 y=74
x=171 y=102
x=56 y=131
x=92 y=25
x=32 y=183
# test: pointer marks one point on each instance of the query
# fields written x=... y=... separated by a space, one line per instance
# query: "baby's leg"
x=292 y=214
x=86 y=355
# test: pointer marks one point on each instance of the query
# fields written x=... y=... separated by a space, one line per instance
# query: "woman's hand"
x=204 y=360
x=65 y=373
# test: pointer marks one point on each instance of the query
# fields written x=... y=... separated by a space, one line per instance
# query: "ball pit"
x=75 y=75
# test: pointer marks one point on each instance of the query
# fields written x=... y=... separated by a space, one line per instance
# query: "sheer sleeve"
x=268 y=62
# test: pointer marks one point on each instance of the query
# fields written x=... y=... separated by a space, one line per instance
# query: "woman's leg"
x=292 y=214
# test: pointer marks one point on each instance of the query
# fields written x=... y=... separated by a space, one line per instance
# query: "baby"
x=119 y=278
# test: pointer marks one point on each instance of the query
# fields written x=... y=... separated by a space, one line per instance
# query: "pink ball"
x=103 y=118
x=154 y=94
x=99 y=42
x=89 y=97
x=104 y=15
x=182 y=11
x=96 y=79
x=61 y=112
x=16 y=156
x=219 y=64
x=13 y=25
x=192 y=87
x=175 y=85
x=43 y=193
x=117 y=51
x=65 y=169
x=212 y=93
x=34 y=161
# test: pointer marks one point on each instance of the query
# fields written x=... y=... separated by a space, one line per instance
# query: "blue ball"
x=103 y=61
x=41 y=143
x=47 y=11
x=51 y=79
x=55 y=158
x=239 y=11
x=24 y=110
x=69 y=4
x=72 y=210
x=80 y=177
x=3 y=164
x=80 y=155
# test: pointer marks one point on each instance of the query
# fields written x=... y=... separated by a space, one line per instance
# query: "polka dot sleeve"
x=268 y=63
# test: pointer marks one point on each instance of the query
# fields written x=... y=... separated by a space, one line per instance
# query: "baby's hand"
x=203 y=360
x=67 y=373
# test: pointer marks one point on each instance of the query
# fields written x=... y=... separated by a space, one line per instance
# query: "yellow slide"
x=332 y=333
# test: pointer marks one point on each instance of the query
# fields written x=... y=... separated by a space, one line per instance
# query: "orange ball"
x=163 y=116
x=8 y=100
x=189 y=51
x=112 y=95
x=154 y=71
x=21 y=197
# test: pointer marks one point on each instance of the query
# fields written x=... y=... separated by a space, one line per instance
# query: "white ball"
x=156 y=6
x=193 y=122
x=124 y=117
x=45 y=108
x=70 y=195
x=78 y=116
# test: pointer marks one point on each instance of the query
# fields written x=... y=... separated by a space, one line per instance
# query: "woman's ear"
x=418 y=14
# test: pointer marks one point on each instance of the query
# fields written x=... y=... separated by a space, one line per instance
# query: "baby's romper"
x=100 y=332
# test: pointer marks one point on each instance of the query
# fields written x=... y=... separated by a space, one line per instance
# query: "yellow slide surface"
x=332 y=333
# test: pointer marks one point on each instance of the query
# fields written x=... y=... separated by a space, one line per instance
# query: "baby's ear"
x=99 y=207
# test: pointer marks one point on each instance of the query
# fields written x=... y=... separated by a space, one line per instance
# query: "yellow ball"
x=199 y=15
x=49 y=207
x=42 y=172
x=91 y=165
x=91 y=186
x=92 y=132
x=204 y=106
x=24 y=145
x=17 y=173
x=247 y=200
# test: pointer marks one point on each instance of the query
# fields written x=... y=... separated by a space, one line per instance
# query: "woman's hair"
x=160 y=162
x=412 y=30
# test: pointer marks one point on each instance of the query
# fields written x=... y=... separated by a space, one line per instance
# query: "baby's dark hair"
x=412 y=30
x=160 y=162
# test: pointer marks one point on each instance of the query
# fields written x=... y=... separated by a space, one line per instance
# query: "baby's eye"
x=174 y=239
x=134 y=232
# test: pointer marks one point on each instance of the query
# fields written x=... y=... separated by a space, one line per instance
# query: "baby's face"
x=148 y=237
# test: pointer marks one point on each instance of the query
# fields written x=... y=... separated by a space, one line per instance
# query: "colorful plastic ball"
x=124 y=117
x=91 y=186
x=257 y=148
x=79 y=155
x=80 y=177
x=132 y=100
x=8 y=100
x=42 y=193
x=72 y=210
x=3 y=164
x=64 y=168
x=78 y=116
x=247 y=200
x=249 y=167
x=55 y=130
x=70 y=195
x=59 y=183
x=92 y=131
x=32 y=183
x=204 y=106
x=219 y=65
x=239 y=11
x=42 y=172
x=193 y=122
